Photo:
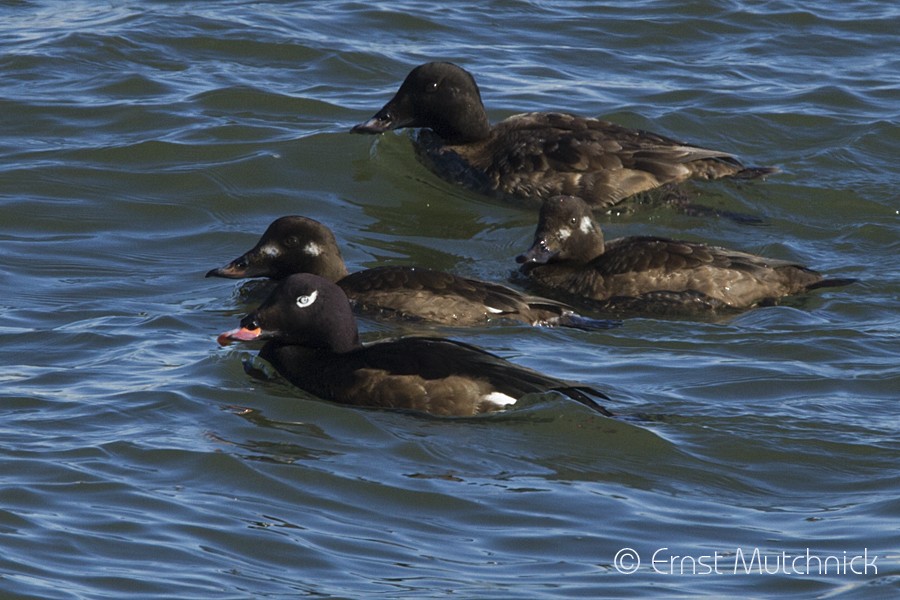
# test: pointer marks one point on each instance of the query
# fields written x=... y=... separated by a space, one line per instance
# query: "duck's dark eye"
x=432 y=86
x=307 y=299
x=240 y=263
x=292 y=241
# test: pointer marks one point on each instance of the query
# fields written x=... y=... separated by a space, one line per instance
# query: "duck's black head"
x=440 y=96
x=304 y=310
x=566 y=231
x=289 y=245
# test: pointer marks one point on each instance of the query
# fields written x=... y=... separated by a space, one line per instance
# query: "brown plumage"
x=534 y=156
x=295 y=244
x=652 y=274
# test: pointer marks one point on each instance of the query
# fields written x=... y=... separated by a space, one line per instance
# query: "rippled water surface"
x=143 y=143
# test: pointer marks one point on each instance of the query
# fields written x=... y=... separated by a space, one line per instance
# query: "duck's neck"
x=465 y=125
x=334 y=270
x=344 y=338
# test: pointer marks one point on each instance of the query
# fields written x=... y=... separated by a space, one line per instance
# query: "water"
x=142 y=144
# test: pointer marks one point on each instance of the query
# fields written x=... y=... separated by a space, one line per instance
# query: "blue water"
x=142 y=144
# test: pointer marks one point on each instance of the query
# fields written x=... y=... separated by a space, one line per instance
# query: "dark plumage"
x=649 y=273
x=312 y=341
x=300 y=245
x=535 y=156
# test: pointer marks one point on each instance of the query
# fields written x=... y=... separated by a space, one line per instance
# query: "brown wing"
x=638 y=265
x=544 y=154
x=651 y=268
x=641 y=254
x=438 y=296
x=433 y=375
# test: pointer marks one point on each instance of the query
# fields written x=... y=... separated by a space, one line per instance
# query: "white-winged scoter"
x=312 y=340
x=533 y=156
x=653 y=274
x=295 y=244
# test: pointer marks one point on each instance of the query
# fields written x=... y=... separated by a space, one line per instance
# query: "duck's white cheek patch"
x=270 y=251
x=499 y=399
x=585 y=225
x=304 y=301
x=313 y=249
x=565 y=233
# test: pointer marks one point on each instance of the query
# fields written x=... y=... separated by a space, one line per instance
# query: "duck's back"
x=534 y=156
x=636 y=266
x=441 y=297
x=433 y=375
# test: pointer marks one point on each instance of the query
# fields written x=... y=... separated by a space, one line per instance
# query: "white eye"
x=304 y=301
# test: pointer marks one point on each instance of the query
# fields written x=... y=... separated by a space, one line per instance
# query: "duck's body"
x=569 y=255
x=296 y=244
x=447 y=299
x=534 y=156
x=313 y=342
x=432 y=375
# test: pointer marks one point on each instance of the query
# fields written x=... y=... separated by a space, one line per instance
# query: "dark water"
x=143 y=143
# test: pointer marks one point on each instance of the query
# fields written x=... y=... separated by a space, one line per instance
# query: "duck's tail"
x=577 y=321
x=755 y=172
x=833 y=282
x=585 y=395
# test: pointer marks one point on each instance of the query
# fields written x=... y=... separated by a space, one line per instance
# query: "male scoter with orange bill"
x=312 y=340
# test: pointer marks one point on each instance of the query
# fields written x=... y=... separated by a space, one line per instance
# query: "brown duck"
x=653 y=274
x=534 y=156
x=296 y=244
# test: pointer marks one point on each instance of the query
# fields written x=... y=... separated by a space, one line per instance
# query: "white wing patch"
x=499 y=399
x=313 y=249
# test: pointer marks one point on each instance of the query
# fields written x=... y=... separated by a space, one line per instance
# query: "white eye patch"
x=304 y=301
x=270 y=250
x=564 y=233
x=313 y=249
x=585 y=225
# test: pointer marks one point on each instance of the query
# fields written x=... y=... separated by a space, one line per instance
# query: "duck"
x=653 y=274
x=312 y=340
x=296 y=244
x=530 y=157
